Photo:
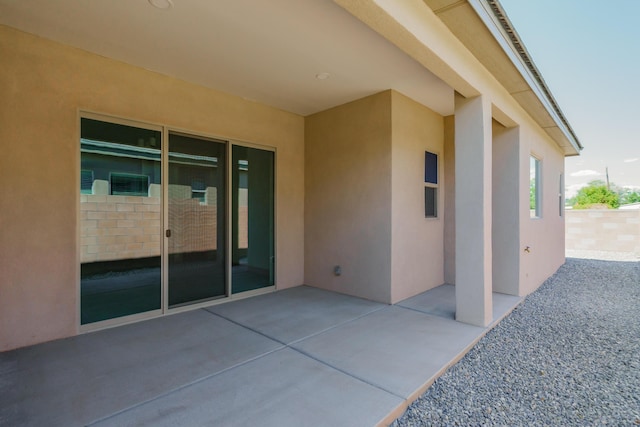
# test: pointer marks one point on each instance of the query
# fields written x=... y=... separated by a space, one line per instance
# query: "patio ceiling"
x=266 y=51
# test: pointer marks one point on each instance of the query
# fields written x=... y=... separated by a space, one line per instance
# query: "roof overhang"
x=503 y=54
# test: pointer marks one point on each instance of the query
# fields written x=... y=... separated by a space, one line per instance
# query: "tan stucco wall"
x=420 y=33
x=347 y=198
x=417 y=250
x=505 y=209
x=544 y=236
x=473 y=199
x=43 y=86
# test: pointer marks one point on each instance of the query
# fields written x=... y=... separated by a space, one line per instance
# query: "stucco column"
x=473 y=210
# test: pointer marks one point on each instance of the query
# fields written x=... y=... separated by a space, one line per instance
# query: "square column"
x=473 y=210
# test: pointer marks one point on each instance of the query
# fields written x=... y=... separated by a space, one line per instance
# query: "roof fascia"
x=500 y=29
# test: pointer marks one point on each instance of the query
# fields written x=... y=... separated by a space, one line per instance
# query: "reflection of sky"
x=118 y=150
x=133 y=152
x=532 y=168
x=589 y=58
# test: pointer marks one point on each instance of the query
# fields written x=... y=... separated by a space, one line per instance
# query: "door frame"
x=229 y=143
x=164 y=219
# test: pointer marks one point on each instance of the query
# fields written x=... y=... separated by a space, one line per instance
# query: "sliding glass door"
x=120 y=220
x=169 y=219
x=197 y=211
x=252 y=192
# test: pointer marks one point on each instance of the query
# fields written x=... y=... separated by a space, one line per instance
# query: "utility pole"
x=606 y=170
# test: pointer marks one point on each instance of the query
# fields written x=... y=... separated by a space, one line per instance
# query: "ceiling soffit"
x=265 y=51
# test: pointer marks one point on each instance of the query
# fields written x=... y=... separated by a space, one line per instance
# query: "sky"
x=588 y=52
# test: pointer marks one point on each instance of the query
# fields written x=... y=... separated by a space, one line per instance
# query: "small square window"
x=561 y=195
x=430 y=168
x=430 y=202
x=430 y=185
x=534 y=188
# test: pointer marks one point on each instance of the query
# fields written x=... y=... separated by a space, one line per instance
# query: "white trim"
x=120 y=321
x=561 y=200
x=103 y=117
x=538 y=187
x=229 y=221
x=438 y=186
x=78 y=275
x=116 y=321
x=164 y=215
x=221 y=300
x=238 y=143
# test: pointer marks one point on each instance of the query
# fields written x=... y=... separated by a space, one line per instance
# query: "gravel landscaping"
x=568 y=355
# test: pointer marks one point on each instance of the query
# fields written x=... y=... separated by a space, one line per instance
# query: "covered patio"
x=301 y=356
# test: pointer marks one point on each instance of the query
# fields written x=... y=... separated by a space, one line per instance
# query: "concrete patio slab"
x=389 y=347
x=283 y=388
x=294 y=314
x=345 y=361
x=78 y=380
x=441 y=301
x=503 y=304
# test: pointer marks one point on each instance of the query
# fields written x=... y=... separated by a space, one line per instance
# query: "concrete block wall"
x=603 y=230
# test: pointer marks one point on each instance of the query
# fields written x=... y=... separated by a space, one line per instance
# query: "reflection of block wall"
x=603 y=230
x=193 y=225
x=243 y=227
x=243 y=218
x=122 y=227
x=119 y=227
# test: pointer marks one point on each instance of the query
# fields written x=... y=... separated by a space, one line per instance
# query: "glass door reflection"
x=120 y=218
x=252 y=201
x=196 y=209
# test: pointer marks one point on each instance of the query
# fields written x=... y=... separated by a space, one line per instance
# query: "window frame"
x=431 y=184
x=561 y=195
x=535 y=182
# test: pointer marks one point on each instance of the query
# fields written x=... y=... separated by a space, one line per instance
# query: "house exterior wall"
x=43 y=86
x=417 y=252
x=345 y=186
x=505 y=232
x=421 y=34
x=473 y=198
x=514 y=270
x=364 y=198
x=348 y=198
x=545 y=235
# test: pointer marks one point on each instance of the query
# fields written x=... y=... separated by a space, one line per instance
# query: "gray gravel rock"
x=568 y=355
